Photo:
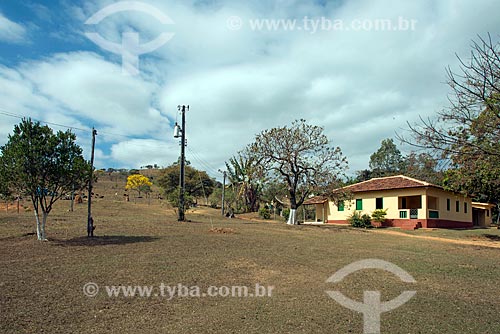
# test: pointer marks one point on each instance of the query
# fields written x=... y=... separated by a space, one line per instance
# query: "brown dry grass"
x=138 y=244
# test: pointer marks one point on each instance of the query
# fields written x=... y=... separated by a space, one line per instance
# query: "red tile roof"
x=388 y=183
x=376 y=184
x=316 y=200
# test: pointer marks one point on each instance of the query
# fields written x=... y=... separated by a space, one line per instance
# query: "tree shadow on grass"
x=492 y=237
x=104 y=240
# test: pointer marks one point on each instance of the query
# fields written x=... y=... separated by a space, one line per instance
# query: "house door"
x=478 y=217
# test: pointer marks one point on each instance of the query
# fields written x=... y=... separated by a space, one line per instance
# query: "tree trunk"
x=38 y=227
x=292 y=218
x=44 y=220
x=498 y=215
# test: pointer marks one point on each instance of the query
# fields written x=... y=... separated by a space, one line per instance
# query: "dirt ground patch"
x=483 y=241
x=222 y=230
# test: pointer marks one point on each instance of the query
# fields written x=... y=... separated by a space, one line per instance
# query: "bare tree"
x=467 y=133
x=475 y=92
x=300 y=156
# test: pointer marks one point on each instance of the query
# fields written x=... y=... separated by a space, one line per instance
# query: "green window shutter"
x=340 y=207
x=359 y=204
x=434 y=214
x=403 y=214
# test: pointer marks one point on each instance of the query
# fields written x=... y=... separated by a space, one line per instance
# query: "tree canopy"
x=467 y=133
x=42 y=165
x=301 y=156
x=139 y=183
x=246 y=175
x=387 y=161
x=197 y=183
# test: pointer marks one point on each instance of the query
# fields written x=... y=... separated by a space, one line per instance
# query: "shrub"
x=358 y=220
x=265 y=213
x=173 y=198
x=285 y=213
x=379 y=216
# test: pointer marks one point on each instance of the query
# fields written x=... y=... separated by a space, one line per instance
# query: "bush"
x=379 y=216
x=173 y=198
x=358 y=220
x=285 y=213
x=215 y=198
x=265 y=213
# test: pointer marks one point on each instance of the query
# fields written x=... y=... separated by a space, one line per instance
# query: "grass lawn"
x=42 y=282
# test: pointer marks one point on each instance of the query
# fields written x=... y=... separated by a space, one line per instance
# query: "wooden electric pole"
x=223 y=190
x=90 y=220
x=182 y=216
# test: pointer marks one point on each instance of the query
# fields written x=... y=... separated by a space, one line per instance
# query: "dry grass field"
x=41 y=283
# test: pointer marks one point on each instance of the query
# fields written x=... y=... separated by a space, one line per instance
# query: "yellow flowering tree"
x=138 y=183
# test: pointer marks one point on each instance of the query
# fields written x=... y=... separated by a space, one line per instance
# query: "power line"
x=10 y=114
x=131 y=143
x=14 y=115
x=204 y=163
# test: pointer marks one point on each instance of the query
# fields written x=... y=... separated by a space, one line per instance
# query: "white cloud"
x=11 y=32
x=143 y=152
x=360 y=86
x=89 y=87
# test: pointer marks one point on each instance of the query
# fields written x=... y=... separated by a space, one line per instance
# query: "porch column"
x=425 y=214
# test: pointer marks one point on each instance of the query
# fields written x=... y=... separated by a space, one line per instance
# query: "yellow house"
x=410 y=204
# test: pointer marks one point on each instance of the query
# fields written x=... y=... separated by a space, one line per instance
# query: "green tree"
x=245 y=174
x=274 y=190
x=42 y=165
x=5 y=192
x=387 y=161
x=423 y=166
x=299 y=155
x=197 y=183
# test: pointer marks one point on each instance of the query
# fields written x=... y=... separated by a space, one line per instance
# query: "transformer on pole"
x=180 y=131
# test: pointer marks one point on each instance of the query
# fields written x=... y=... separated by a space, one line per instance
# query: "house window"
x=359 y=204
x=379 y=203
x=487 y=213
x=457 y=206
x=403 y=203
x=465 y=207
x=409 y=202
x=432 y=203
x=434 y=214
x=448 y=204
x=403 y=214
x=340 y=206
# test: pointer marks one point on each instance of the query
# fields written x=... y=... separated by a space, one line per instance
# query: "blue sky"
x=361 y=85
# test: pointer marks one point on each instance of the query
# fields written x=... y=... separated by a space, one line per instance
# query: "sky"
x=361 y=69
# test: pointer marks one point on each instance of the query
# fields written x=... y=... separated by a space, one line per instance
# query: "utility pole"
x=90 y=220
x=72 y=187
x=223 y=189
x=182 y=131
